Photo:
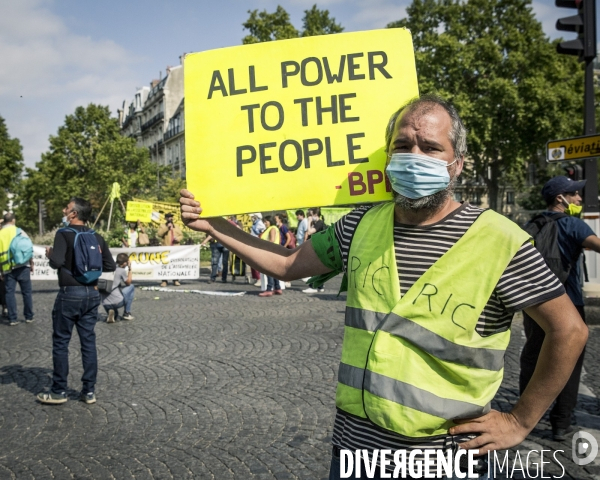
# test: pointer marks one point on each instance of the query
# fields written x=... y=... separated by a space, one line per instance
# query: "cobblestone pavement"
x=206 y=387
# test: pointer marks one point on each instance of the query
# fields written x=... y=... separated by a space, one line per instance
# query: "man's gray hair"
x=458 y=132
x=9 y=217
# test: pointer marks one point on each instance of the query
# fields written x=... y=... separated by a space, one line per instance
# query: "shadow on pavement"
x=31 y=379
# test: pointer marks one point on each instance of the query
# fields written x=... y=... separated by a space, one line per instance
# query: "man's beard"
x=430 y=203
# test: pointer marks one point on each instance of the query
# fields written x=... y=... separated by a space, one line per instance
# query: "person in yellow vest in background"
x=170 y=235
x=432 y=288
x=16 y=262
x=271 y=234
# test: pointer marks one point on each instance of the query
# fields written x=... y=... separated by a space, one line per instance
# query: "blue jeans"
x=126 y=302
x=334 y=473
x=273 y=283
x=20 y=275
x=218 y=251
x=75 y=306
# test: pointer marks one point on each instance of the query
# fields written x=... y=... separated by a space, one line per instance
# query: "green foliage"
x=266 y=27
x=169 y=189
x=86 y=156
x=493 y=61
x=11 y=164
x=318 y=22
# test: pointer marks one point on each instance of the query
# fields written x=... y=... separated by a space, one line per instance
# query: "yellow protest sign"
x=138 y=211
x=278 y=125
x=159 y=209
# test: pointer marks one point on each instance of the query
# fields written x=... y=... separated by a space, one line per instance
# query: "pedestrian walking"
x=301 y=230
x=170 y=235
x=271 y=234
x=16 y=259
x=570 y=236
x=258 y=227
x=80 y=255
x=219 y=259
x=428 y=308
x=315 y=225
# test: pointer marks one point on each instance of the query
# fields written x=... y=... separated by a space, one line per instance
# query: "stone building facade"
x=155 y=119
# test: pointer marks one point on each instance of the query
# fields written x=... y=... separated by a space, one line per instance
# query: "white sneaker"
x=288 y=284
x=111 y=317
x=306 y=279
x=128 y=316
x=310 y=290
x=257 y=284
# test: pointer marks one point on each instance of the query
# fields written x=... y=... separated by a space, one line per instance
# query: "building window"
x=510 y=198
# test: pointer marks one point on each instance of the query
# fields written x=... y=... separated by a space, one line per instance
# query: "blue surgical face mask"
x=65 y=221
x=415 y=176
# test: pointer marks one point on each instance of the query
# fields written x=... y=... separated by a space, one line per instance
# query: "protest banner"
x=41 y=265
x=163 y=263
x=147 y=263
x=278 y=125
x=159 y=209
x=141 y=211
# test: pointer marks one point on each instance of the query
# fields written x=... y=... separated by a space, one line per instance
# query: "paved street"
x=206 y=387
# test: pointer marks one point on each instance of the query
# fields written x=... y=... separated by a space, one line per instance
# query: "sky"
x=60 y=54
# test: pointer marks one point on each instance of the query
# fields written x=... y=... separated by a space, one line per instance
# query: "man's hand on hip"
x=496 y=430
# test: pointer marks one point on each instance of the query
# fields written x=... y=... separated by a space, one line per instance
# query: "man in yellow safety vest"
x=432 y=285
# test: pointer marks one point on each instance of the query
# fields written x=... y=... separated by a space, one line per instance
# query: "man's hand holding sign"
x=415 y=360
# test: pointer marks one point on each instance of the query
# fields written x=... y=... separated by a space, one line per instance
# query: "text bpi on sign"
x=283 y=124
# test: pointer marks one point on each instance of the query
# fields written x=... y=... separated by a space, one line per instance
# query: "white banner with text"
x=147 y=263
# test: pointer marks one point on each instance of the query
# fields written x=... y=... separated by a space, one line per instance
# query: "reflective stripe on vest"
x=405 y=393
x=413 y=364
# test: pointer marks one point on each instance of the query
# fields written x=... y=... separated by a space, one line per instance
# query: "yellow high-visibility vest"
x=6 y=236
x=415 y=363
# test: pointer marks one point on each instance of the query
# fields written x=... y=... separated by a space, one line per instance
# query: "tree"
x=318 y=22
x=266 y=27
x=513 y=91
x=11 y=164
x=86 y=156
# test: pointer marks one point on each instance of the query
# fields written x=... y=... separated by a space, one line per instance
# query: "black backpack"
x=544 y=231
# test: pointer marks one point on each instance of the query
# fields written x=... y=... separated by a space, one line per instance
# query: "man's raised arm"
x=266 y=257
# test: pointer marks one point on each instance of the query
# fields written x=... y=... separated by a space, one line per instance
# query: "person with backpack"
x=560 y=236
x=16 y=257
x=80 y=255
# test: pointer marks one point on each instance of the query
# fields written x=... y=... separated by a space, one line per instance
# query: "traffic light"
x=42 y=208
x=574 y=172
x=584 y=23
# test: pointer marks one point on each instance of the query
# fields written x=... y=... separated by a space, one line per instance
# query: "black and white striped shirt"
x=526 y=281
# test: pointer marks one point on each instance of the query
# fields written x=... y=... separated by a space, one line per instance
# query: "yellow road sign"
x=575 y=148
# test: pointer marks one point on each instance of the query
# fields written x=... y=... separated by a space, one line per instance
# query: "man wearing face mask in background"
x=562 y=196
x=432 y=288
x=76 y=306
